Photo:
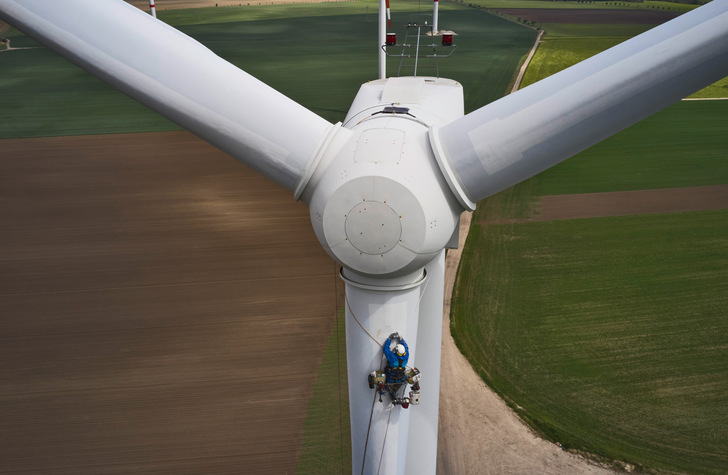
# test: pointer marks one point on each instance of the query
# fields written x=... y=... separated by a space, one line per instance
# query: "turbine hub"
x=380 y=205
x=373 y=227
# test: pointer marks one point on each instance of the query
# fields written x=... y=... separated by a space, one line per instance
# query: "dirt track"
x=164 y=309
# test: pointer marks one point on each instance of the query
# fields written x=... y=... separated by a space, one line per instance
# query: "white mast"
x=434 y=18
x=152 y=10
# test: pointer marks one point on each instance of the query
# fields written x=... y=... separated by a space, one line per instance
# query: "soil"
x=669 y=200
x=164 y=309
x=624 y=203
x=593 y=17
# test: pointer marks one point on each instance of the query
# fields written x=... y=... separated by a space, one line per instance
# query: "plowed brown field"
x=164 y=309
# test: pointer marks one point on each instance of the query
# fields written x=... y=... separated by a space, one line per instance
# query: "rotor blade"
x=179 y=78
x=537 y=127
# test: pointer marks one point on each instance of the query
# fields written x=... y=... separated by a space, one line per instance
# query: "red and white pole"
x=383 y=4
x=389 y=15
x=152 y=10
x=434 y=18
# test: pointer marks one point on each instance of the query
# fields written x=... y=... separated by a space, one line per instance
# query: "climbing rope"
x=346 y=298
x=384 y=442
x=371 y=415
x=366 y=443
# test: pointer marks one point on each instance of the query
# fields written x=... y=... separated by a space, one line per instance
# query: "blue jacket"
x=396 y=361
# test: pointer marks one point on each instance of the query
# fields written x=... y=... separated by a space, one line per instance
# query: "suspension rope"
x=346 y=298
x=366 y=443
x=384 y=443
x=422 y=294
x=371 y=415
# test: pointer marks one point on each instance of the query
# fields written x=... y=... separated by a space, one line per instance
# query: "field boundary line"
x=705 y=99
x=522 y=72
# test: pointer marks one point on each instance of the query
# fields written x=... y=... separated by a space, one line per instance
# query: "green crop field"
x=609 y=335
x=553 y=55
x=563 y=47
x=317 y=54
x=567 y=44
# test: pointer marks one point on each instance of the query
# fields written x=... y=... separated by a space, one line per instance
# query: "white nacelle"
x=378 y=201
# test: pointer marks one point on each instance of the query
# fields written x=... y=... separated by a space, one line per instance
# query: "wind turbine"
x=386 y=187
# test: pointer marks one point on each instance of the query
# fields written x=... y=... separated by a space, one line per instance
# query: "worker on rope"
x=397 y=359
x=396 y=375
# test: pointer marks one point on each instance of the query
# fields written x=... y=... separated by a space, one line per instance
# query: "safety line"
x=366 y=443
x=371 y=415
x=384 y=443
x=346 y=298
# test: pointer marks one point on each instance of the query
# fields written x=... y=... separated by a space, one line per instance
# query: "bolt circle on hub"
x=373 y=227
